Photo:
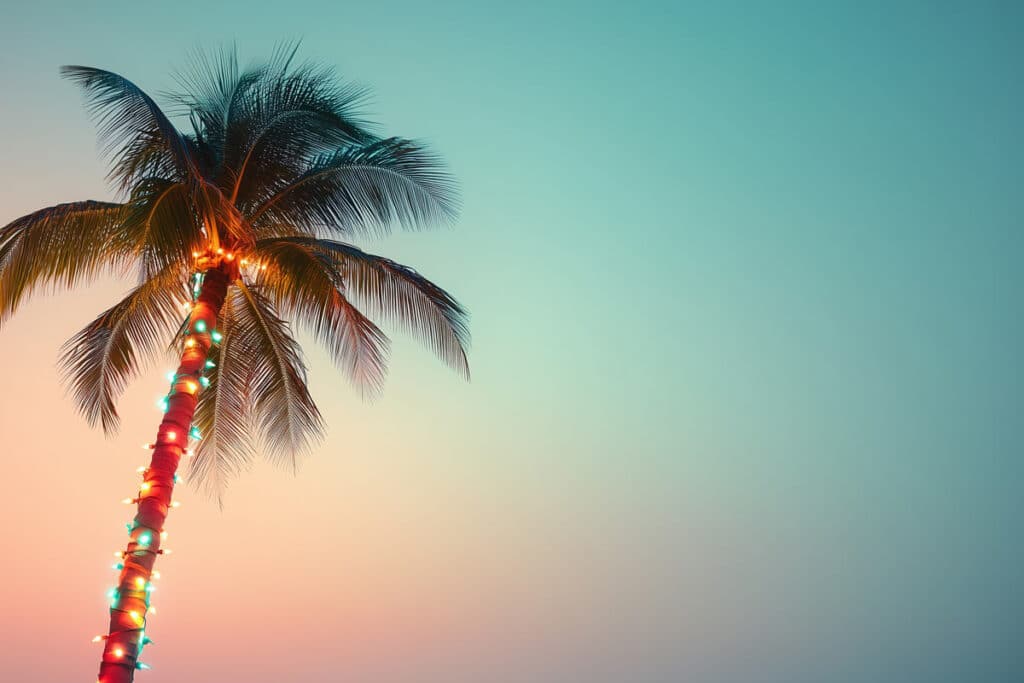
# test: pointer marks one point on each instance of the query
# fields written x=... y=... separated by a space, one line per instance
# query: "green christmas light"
x=145 y=538
x=195 y=433
x=210 y=364
x=205 y=381
x=216 y=336
x=200 y=326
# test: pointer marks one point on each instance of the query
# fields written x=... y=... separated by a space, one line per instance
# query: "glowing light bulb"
x=145 y=486
x=195 y=254
x=136 y=616
x=163 y=535
x=245 y=261
x=156 y=575
x=171 y=436
x=263 y=266
x=142 y=469
x=216 y=336
x=148 y=446
x=189 y=343
x=205 y=381
x=176 y=504
x=171 y=376
x=142 y=665
x=127 y=501
x=140 y=582
x=195 y=433
x=118 y=652
x=200 y=326
x=145 y=539
x=152 y=610
x=192 y=387
x=220 y=251
x=99 y=639
x=117 y=566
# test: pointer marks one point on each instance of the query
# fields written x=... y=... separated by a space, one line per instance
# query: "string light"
x=145 y=539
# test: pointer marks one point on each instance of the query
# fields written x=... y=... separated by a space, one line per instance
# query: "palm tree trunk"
x=130 y=601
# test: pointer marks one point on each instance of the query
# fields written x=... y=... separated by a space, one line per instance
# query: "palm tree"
x=240 y=223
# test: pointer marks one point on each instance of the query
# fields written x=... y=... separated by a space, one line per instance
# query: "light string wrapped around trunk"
x=131 y=600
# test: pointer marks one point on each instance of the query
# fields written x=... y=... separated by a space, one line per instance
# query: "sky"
x=745 y=289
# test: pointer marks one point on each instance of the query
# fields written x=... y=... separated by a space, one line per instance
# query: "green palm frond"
x=393 y=292
x=163 y=224
x=63 y=244
x=284 y=414
x=99 y=361
x=364 y=190
x=224 y=411
x=306 y=286
x=133 y=130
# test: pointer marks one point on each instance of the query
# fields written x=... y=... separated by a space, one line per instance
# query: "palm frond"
x=98 y=362
x=284 y=414
x=396 y=293
x=365 y=190
x=223 y=413
x=162 y=223
x=62 y=244
x=133 y=130
x=306 y=286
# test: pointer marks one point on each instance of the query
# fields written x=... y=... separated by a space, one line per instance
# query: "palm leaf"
x=132 y=128
x=284 y=414
x=61 y=244
x=388 y=290
x=306 y=286
x=99 y=361
x=364 y=189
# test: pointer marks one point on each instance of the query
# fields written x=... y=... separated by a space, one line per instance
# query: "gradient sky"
x=746 y=292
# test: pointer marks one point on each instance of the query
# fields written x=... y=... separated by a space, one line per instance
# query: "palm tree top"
x=277 y=176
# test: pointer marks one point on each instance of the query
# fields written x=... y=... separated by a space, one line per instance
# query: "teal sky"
x=745 y=282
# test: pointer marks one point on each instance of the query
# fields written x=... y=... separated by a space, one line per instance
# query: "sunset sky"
x=745 y=282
